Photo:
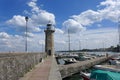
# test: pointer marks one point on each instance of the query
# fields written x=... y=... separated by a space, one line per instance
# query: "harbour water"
x=74 y=77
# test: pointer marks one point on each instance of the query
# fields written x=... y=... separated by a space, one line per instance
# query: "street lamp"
x=69 y=46
x=26 y=19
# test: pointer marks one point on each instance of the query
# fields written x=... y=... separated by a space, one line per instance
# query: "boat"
x=70 y=60
x=104 y=75
x=85 y=76
x=114 y=61
x=102 y=72
x=101 y=75
x=113 y=68
x=86 y=57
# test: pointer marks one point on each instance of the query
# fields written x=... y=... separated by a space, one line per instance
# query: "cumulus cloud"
x=4 y=35
x=41 y=42
x=31 y=35
x=17 y=43
x=58 y=31
x=90 y=39
x=37 y=19
x=108 y=36
x=88 y=17
x=73 y=26
x=110 y=11
x=43 y=18
x=7 y=42
x=34 y=6
x=17 y=20
x=39 y=16
x=19 y=23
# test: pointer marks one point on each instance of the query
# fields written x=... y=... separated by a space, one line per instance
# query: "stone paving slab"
x=40 y=72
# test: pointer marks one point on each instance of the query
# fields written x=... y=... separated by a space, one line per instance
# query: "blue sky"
x=62 y=9
x=81 y=17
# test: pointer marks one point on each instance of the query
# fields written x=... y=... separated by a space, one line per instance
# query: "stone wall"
x=15 y=65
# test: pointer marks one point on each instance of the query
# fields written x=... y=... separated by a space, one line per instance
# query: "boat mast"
x=119 y=32
x=79 y=45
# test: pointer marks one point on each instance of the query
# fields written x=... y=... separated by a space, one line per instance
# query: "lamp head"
x=26 y=18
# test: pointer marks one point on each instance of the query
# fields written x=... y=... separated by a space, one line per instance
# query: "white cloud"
x=96 y=37
x=88 y=17
x=11 y=42
x=41 y=42
x=19 y=23
x=43 y=18
x=31 y=35
x=90 y=39
x=34 y=6
x=111 y=11
x=4 y=35
x=58 y=31
x=17 y=20
x=37 y=19
x=39 y=16
x=17 y=43
x=109 y=2
x=73 y=26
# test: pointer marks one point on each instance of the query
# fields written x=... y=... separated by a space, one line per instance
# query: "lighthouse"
x=49 y=39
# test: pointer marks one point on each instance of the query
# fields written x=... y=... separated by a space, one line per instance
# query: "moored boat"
x=101 y=75
x=102 y=72
x=113 y=68
x=70 y=60
x=85 y=76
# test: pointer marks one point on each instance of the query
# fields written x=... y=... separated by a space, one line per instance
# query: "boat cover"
x=104 y=75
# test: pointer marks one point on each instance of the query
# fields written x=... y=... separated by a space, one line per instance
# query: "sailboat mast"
x=119 y=33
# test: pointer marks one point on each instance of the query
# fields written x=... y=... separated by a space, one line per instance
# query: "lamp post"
x=69 y=46
x=26 y=19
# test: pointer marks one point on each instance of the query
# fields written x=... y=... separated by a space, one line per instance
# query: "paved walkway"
x=40 y=72
x=47 y=70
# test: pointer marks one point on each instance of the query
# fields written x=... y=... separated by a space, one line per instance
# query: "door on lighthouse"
x=49 y=52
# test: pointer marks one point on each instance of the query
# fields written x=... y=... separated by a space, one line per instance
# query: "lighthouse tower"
x=49 y=39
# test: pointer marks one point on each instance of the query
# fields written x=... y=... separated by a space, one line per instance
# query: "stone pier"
x=38 y=66
x=68 y=70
